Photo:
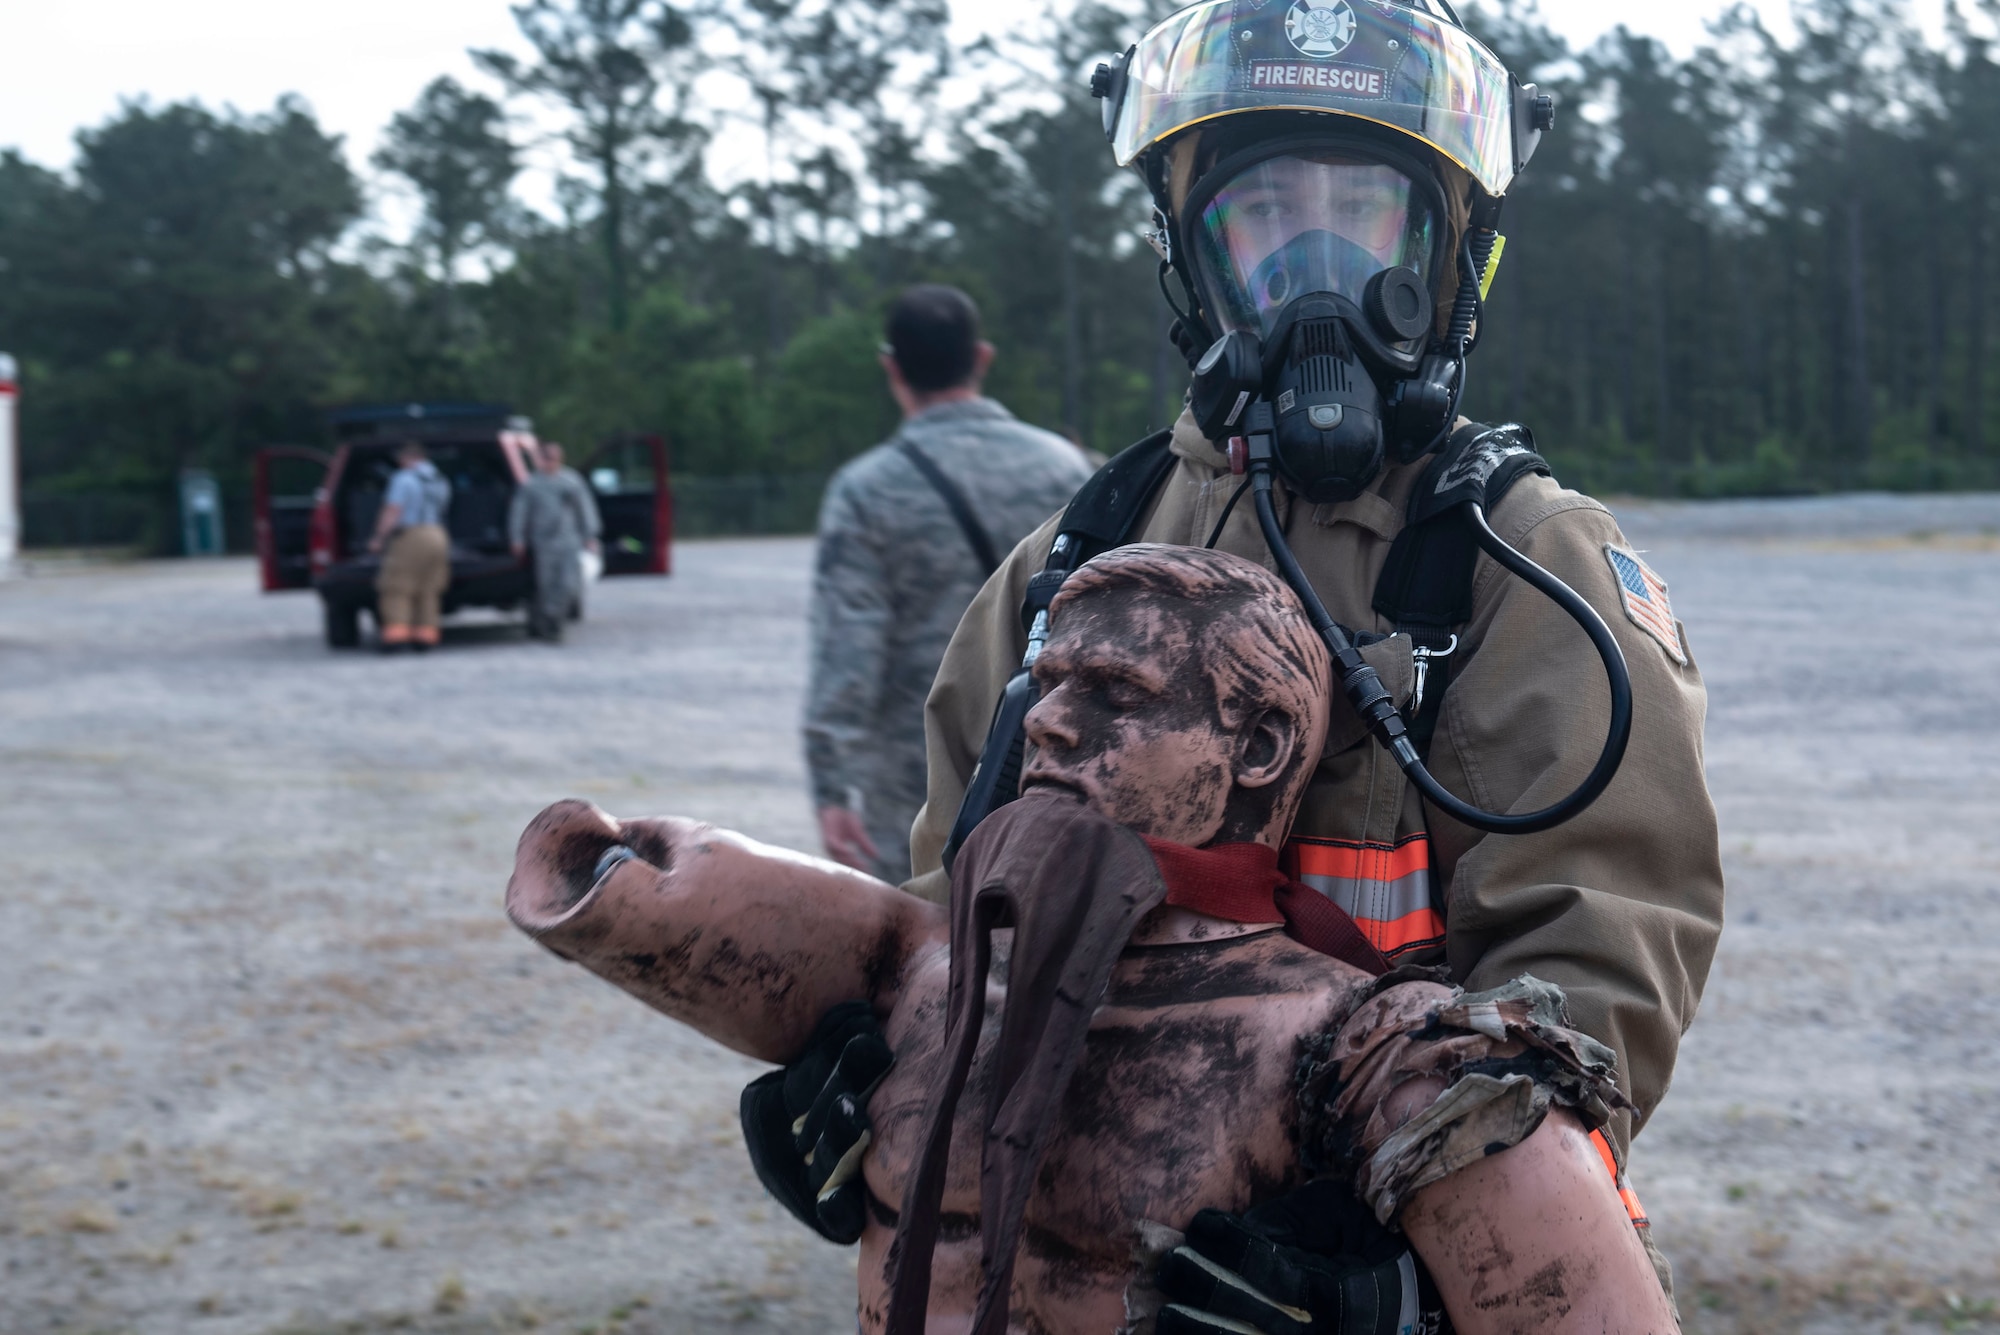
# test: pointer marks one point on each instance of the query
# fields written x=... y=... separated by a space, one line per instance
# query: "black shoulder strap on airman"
x=1102 y=515
x=1425 y=589
x=967 y=519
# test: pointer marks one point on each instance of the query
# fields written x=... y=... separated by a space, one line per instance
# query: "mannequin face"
x=1130 y=718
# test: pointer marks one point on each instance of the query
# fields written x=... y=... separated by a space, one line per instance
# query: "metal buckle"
x=1421 y=660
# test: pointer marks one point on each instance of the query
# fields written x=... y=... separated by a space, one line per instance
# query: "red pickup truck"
x=315 y=511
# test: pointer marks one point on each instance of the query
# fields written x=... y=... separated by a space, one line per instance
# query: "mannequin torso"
x=1184 y=1099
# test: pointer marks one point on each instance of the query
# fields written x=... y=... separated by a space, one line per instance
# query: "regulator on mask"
x=1322 y=370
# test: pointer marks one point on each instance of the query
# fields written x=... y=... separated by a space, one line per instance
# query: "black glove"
x=807 y=1124
x=1314 y=1262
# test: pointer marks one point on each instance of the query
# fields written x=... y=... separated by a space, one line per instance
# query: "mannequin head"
x=1184 y=694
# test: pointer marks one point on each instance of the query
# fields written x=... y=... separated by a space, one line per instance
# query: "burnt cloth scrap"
x=1504 y=1057
x=1073 y=885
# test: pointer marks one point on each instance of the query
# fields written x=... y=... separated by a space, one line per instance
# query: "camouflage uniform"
x=553 y=515
x=895 y=572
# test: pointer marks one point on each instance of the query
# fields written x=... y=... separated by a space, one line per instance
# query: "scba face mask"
x=1317 y=262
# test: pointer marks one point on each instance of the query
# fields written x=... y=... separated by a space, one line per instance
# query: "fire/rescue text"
x=1353 y=80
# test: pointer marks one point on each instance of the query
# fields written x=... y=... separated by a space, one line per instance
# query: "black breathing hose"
x=1371 y=699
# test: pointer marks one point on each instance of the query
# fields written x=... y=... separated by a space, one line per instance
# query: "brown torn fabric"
x=1073 y=885
x=1504 y=1057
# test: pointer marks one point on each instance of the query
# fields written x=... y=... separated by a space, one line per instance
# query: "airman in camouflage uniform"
x=896 y=570
x=554 y=516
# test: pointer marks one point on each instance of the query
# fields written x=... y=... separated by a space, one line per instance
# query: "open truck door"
x=286 y=486
x=636 y=502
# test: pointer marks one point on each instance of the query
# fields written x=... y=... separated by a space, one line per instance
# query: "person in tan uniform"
x=1623 y=904
x=416 y=552
x=1328 y=179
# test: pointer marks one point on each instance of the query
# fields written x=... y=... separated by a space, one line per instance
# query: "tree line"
x=1764 y=268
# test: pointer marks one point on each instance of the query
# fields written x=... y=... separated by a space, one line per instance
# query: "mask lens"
x=1292 y=225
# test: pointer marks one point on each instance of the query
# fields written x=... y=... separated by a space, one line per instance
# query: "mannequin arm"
x=1534 y=1238
x=747 y=943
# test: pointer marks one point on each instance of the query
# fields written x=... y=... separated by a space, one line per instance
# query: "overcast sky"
x=359 y=61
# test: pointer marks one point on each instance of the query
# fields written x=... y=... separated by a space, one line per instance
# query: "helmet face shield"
x=1376 y=60
x=1302 y=222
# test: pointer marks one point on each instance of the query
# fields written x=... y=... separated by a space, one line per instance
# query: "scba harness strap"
x=1425 y=589
x=1101 y=516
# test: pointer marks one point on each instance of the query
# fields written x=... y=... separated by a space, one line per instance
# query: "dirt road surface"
x=272 y=1060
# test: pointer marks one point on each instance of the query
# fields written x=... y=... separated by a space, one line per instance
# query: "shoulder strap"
x=1107 y=508
x=437 y=493
x=1102 y=515
x=976 y=536
x=1426 y=585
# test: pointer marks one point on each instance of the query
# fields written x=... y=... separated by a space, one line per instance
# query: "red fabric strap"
x=1234 y=882
x=1242 y=883
x=1313 y=920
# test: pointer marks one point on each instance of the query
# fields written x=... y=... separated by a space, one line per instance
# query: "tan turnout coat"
x=1621 y=907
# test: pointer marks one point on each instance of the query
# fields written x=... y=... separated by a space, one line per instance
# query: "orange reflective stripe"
x=1361 y=862
x=1385 y=888
x=1422 y=928
x=1630 y=1198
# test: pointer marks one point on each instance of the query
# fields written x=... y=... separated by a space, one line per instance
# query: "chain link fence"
x=710 y=507
x=72 y=519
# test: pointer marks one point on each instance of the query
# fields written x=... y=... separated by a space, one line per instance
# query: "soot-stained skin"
x=1134 y=732
x=747 y=943
x=1183 y=698
x=1183 y=1099
x=1483 y=1251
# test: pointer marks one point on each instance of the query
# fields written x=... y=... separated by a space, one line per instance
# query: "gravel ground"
x=272 y=1060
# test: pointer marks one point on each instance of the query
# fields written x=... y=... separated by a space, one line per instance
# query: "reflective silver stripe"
x=1377 y=901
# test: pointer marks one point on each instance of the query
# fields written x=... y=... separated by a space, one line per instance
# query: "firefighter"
x=1327 y=178
x=415 y=550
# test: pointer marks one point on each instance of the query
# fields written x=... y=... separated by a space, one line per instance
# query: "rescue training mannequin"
x=1151 y=1042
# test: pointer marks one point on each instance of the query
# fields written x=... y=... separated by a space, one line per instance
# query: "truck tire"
x=343 y=625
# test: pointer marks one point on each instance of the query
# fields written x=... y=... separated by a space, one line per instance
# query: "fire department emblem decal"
x=1320 y=28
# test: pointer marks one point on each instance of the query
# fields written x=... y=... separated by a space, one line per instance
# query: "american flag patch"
x=1645 y=597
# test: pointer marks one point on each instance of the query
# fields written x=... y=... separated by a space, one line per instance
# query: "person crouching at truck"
x=416 y=552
